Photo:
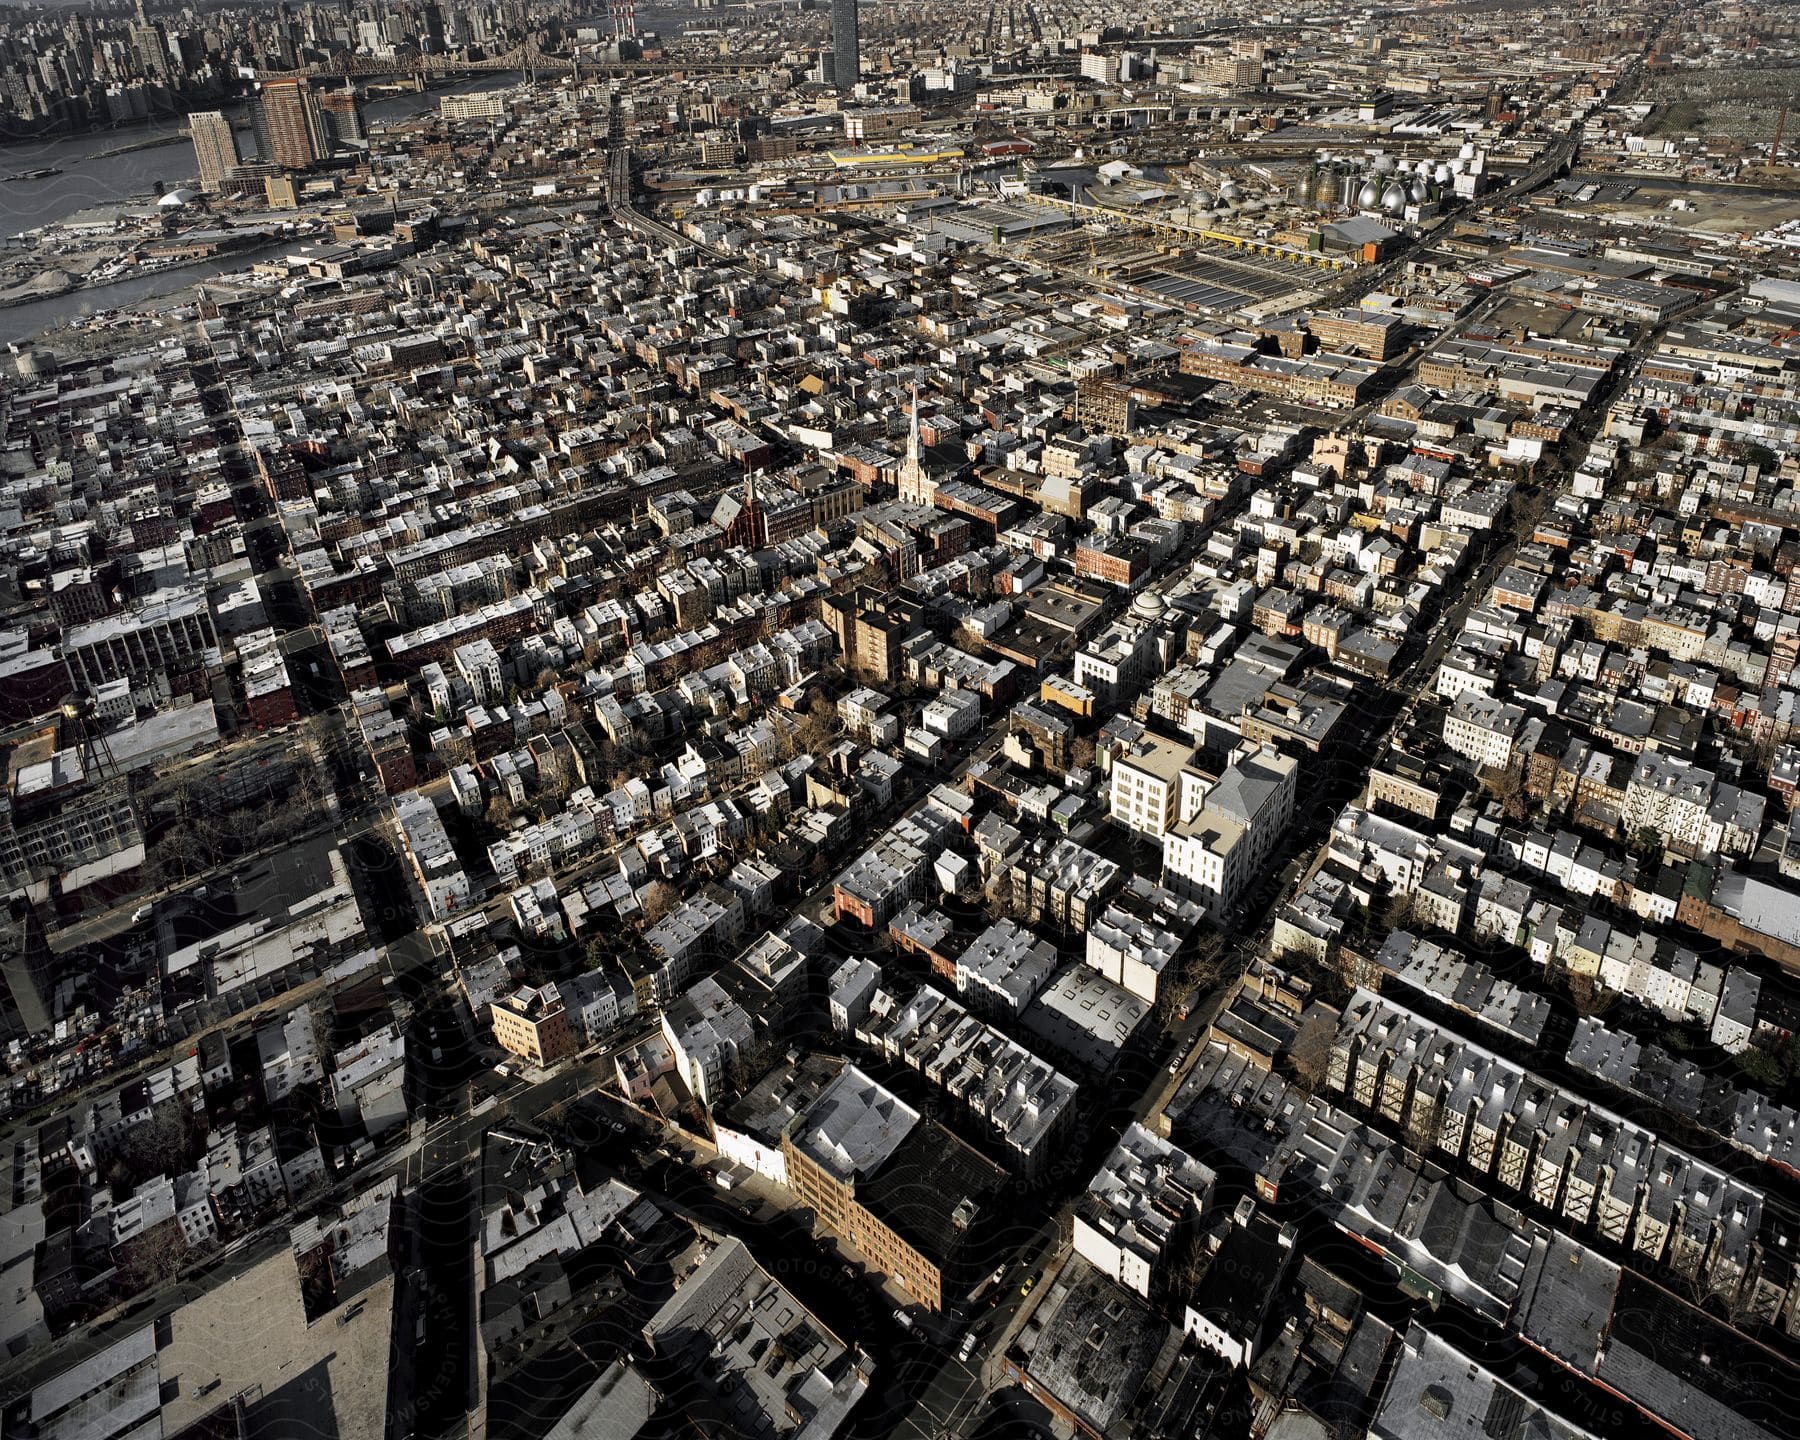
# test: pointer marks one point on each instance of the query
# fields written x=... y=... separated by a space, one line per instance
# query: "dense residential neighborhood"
x=853 y=722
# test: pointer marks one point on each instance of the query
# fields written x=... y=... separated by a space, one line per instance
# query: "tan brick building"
x=534 y=1025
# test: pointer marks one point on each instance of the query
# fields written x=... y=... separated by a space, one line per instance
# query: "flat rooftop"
x=1082 y=1014
x=932 y=1191
x=1436 y=1389
x=325 y=1381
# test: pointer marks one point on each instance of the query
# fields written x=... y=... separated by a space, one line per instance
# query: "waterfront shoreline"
x=149 y=142
x=12 y=302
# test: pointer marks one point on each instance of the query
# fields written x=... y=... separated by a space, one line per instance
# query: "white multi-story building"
x=536 y=912
x=435 y=869
x=707 y=1031
x=1139 y=935
x=1213 y=856
x=1138 y=1205
x=478 y=662
x=1149 y=782
x=1482 y=729
x=1734 y=1022
x=1670 y=796
x=194 y=1207
x=597 y=1001
x=1003 y=969
x=1116 y=661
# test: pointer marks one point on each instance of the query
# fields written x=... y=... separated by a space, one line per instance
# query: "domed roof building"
x=1148 y=606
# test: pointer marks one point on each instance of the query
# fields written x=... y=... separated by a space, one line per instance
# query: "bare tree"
x=1191 y=1263
x=1424 y=1123
x=819 y=727
x=166 y=1141
x=1507 y=786
x=1200 y=966
x=1400 y=910
x=1310 y=1054
x=179 y=854
x=1765 y=745
x=750 y=1064
x=152 y=1257
x=657 y=901
x=1590 y=997
x=1003 y=899
x=308 y=791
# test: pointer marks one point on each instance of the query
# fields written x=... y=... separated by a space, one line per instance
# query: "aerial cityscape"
x=821 y=721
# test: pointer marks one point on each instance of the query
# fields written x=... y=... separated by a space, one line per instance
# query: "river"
x=93 y=177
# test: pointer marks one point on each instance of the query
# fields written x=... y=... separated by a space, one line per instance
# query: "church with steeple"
x=916 y=483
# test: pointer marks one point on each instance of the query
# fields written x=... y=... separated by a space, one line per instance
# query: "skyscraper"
x=215 y=146
x=846 y=54
x=341 y=116
x=292 y=127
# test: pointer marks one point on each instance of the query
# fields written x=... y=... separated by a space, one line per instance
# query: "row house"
x=1545 y=1146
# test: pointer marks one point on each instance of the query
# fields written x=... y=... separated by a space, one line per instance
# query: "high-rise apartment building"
x=215 y=146
x=340 y=116
x=292 y=127
x=846 y=53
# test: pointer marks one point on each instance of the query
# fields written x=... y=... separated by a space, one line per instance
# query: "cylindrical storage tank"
x=34 y=364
